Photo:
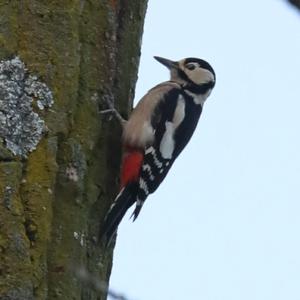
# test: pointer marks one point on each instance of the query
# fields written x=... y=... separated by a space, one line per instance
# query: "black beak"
x=166 y=62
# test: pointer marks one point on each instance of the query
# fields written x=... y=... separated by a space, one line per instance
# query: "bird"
x=158 y=129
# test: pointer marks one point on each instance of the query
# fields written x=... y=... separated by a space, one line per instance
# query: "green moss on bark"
x=52 y=203
x=15 y=267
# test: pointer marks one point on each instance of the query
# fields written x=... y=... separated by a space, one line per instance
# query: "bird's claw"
x=112 y=110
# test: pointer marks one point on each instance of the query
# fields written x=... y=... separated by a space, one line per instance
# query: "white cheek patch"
x=201 y=76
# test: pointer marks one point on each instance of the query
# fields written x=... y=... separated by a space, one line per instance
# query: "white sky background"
x=225 y=223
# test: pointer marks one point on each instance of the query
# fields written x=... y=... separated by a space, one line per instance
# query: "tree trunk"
x=296 y=3
x=59 y=161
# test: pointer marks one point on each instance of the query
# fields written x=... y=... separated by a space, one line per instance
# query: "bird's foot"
x=112 y=110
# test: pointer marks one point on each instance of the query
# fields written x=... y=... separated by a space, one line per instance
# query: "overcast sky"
x=225 y=223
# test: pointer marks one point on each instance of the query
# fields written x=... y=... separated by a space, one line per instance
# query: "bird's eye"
x=191 y=66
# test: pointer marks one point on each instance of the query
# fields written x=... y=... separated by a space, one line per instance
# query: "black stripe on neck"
x=199 y=89
x=194 y=88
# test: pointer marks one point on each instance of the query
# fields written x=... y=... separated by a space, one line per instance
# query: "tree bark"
x=54 y=195
x=296 y=3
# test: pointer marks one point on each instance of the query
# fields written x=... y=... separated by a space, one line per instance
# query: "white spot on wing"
x=147 y=168
x=151 y=150
x=143 y=185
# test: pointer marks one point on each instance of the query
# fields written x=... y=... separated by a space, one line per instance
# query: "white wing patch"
x=167 y=143
x=179 y=113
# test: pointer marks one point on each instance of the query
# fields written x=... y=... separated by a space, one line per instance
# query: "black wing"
x=155 y=167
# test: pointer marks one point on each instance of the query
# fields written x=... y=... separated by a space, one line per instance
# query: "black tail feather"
x=137 y=210
x=118 y=209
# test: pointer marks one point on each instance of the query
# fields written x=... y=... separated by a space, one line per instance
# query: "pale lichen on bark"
x=21 y=128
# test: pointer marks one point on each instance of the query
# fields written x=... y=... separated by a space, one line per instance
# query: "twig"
x=86 y=277
x=112 y=110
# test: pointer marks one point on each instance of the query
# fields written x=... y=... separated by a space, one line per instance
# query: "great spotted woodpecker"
x=158 y=129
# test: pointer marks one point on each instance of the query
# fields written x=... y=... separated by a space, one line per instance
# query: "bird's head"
x=191 y=72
